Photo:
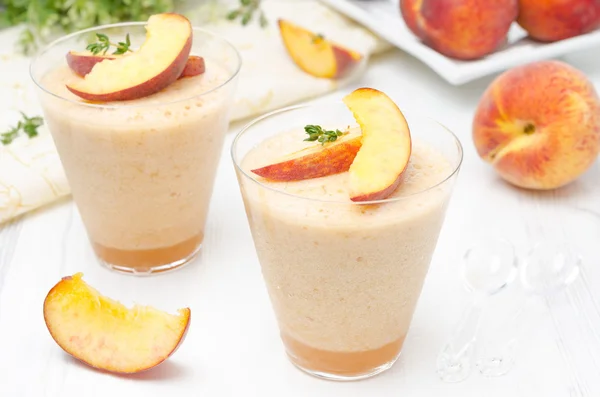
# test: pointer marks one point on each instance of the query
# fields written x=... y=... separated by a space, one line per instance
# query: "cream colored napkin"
x=30 y=170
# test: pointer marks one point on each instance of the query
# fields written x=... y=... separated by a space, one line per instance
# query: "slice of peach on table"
x=157 y=64
x=83 y=62
x=105 y=334
x=315 y=54
x=315 y=162
x=379 y=165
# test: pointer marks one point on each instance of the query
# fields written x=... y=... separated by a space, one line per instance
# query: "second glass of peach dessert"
x=138 y=113
x=345 y=203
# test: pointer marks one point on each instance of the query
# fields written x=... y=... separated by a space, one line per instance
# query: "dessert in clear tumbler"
x=140 y=134
x=345 y=228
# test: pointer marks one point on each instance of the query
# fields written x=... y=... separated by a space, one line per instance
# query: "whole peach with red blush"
x=552 y=20
x=539 y=125
x=462 y=29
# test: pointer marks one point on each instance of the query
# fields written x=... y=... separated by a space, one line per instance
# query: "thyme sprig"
x=317 y=133
x=28 y=126
x=103 y=45
x=245 y=12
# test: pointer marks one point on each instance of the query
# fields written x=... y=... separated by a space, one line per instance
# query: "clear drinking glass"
x=344 y=277
x=141 y=171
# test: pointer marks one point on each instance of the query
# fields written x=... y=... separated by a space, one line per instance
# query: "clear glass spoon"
x=487 y=269
x=555 y=273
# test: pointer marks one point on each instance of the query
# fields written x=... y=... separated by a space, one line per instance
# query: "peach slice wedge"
x=316 y=55
x=315 y=162
x=82 y=63
x=193 y=67
x=158 y=63
x=105 y=334
x=386 y=145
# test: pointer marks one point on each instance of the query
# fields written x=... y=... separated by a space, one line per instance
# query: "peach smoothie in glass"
x=140 y=133
x=345 y=224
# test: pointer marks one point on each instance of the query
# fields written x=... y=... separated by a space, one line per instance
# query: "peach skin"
x=461 y=29
x=539 y=125
x=332 y=158
x=194 y=66
x=157 y=64
x=552 y=20
x=82 y=63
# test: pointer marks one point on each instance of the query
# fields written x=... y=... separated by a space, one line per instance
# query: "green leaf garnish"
x=103 y=44
x=317 y=133
x=45 y=19
x=28 y=126
x=245 y=12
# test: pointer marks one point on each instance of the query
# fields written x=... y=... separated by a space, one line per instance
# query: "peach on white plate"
x=461 y=29
x=105 y=334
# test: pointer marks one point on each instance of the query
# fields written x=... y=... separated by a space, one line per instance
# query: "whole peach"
x=552 y=20
x=539 y=125
x=462 y=29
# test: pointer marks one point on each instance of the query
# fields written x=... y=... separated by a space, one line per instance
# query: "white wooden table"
x=232 y=348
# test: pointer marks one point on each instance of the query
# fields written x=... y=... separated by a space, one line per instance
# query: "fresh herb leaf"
x=45 y=19
x=100 y=46
x=123 y=46
x=317 y=133
x=264 y=22
x=103 y=44
x=245 y=12
x=28 y=126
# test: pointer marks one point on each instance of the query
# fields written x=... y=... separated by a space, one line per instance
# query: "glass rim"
x=249 y=125
x=52 y=44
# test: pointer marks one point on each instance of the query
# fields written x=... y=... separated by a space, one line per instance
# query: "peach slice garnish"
x=157 y=64
x=193 y=67
x=316 y=162
x=83 y=62
x=386 y=145
x=315 y=55
x=105 y=334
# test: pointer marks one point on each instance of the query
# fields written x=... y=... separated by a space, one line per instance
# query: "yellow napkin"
x=30 y=170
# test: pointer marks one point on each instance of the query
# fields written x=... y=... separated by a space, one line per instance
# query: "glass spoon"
x=487 y=269
x=554 y=273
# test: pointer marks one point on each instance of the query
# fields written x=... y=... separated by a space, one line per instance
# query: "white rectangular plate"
x=383 y=18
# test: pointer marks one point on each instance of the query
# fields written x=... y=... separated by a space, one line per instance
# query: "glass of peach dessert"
x=138 y=113
x=345 y=203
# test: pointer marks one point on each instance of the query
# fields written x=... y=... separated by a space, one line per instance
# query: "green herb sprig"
x=28 y=126
x=245 y=12
x=103 y=44
x=46 y=19
x=317 y=133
